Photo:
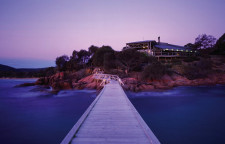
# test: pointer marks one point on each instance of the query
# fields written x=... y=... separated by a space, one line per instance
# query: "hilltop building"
x=160 y=49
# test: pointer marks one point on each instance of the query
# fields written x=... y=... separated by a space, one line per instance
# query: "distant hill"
x=6 y=68
x=7 y=71
x=30 y=69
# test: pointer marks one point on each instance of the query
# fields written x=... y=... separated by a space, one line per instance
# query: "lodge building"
x=160 y=49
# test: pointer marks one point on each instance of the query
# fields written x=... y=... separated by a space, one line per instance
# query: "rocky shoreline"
x=66 y=80
x=168 y=82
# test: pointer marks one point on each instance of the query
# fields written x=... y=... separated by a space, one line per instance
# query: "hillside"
x=6 y=68
x=11 y=72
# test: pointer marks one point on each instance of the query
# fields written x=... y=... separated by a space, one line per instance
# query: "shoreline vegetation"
x=70 y=80
x=138 y=70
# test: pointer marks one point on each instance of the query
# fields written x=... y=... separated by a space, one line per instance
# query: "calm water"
x=31 y=115
x=184 y=115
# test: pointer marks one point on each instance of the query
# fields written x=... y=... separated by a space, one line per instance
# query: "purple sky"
x=41 y=30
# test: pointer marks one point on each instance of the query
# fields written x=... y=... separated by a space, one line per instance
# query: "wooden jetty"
x=111 y=119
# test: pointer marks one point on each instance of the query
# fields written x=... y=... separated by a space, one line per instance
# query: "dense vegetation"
x=198 y=69
x=128 y=61
x=106 y=58
x=207 y=45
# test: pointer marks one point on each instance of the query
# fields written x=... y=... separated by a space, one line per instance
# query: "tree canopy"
x=131 y=59
x=61 y=61
x=220 y=45
x=98 y=57
x=92 y=49
x=83 y=56
x=205 y=41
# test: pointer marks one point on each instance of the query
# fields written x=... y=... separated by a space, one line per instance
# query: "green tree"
x=220 y=45
x=191 y=46
x=98 y=57
x=61 y=62
x=83 y=56
x=131 y=59
x=92 y=49
x=109 y=61
x=205 y=41
x=74 y=56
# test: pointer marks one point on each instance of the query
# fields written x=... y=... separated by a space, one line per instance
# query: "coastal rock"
x=25 y=85
x=59 y=75
x=128 y=81
x=40 y=81
x=145 y=87
x=74 y=80
x=61 y=85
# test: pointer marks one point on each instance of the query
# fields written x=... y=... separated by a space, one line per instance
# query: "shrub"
x=176 y=62
x=154 y=71
x=200 y=69
x=190 y=59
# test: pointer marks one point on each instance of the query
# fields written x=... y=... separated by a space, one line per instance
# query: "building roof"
x=146 y=41
x=167 y=46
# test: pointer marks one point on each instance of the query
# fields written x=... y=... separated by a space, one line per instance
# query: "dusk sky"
x=34 y=32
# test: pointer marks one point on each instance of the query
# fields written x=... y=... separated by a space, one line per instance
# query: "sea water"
x=32 y=115
x=184 y=115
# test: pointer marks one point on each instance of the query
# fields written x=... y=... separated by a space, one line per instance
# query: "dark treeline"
x=127 y=61
x=114 y=62
x=207 y=44
x=130 y=60
x=10 y=72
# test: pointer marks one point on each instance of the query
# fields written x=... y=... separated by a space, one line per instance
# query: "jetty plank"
x=111 y=119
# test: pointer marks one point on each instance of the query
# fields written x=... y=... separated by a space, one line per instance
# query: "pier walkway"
x=111 y=119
